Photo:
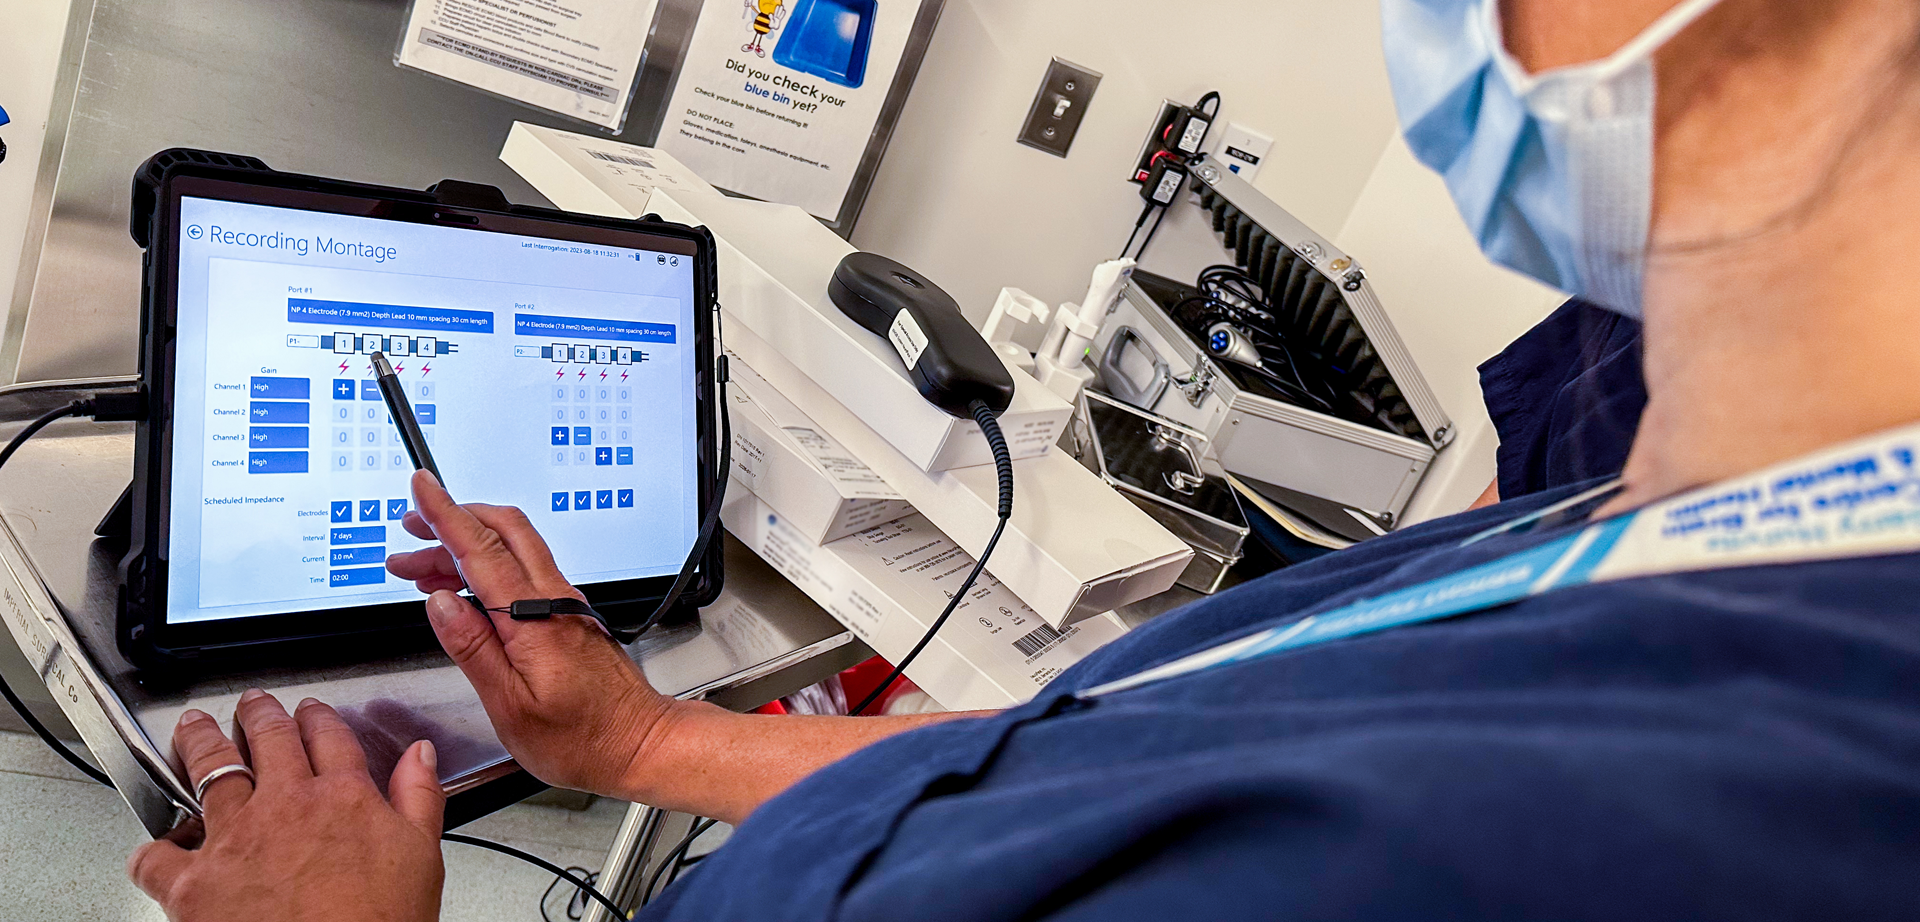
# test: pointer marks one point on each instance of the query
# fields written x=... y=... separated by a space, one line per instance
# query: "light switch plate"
x=1058 y=107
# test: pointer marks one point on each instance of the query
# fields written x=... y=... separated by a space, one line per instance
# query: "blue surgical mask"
x=1552 y=172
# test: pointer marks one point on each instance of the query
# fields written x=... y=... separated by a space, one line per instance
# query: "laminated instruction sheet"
x=575 y=57
x=777 y=99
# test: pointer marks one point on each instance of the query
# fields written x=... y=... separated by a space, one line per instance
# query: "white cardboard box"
x=779 y=454
x=888 y=584
x=593 y=175
x=1074 y=547
x=775 y=264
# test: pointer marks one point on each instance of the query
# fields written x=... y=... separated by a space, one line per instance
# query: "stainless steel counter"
x=761 y=640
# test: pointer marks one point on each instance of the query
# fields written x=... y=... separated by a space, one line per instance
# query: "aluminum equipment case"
x=1370 y=461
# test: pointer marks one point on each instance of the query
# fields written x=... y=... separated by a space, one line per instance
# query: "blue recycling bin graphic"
x=829 y=39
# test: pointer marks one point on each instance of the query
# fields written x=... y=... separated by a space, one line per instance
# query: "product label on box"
x=844 y=469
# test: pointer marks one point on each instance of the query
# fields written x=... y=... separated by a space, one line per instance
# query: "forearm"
x=708 y=761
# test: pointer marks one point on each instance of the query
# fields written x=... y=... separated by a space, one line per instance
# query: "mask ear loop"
x=1637 y=49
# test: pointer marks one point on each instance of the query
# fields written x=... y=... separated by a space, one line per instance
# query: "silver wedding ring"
x=200 y=790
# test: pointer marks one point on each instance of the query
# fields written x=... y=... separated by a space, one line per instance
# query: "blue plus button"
x=559 y=502
x=624 y=499
x=560 y=435
x=343 y=511
x=342 y=389
x=603 y=456
x=583 y=499
x=369 y=510
x=603 y=499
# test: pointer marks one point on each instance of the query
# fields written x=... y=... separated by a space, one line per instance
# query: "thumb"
x=467 y=634
x=156 y=866
x=414 y=789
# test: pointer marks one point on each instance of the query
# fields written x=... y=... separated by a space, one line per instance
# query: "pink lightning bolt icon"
x=583 y=374
x=343 y=368
x=426 y=371
x=623 y=376
x=603 y=376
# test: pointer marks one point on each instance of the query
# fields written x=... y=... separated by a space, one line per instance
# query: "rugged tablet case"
x=141 y=592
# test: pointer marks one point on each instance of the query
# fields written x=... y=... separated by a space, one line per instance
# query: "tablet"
x=559 y=363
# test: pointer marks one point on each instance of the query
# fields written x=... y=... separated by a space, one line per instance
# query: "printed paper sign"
x=778 y=98
x=574 y=57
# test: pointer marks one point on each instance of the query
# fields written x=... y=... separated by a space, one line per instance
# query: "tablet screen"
x=548 y=374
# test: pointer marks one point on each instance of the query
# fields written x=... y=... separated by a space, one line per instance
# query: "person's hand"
x=309 y=838
x=568 y=702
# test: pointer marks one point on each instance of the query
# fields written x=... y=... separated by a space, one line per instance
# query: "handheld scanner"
x=951 y=363
x=402 y=413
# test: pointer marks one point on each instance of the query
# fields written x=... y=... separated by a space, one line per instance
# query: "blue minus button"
x=368 y=576
x=357 y=556
x=364 y=534
x=276 y=462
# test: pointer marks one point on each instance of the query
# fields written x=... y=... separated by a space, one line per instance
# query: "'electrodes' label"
x=908 y=339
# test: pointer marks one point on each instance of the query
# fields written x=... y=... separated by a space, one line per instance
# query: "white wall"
x=30 y=36
x=960 y=200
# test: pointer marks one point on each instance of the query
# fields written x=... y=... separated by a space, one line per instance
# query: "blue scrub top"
x=1739 y=745
x=1566 y=399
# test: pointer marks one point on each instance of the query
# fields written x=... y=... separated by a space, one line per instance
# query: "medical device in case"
x=1303 y=383
x=1157 y=463
x=556 y=362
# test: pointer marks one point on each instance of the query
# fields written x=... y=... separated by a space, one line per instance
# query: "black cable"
x=542 y=863
x=1150 y=234
x=578 y=898
x=709 y=523
x=76 y=408
x=1137 y=224
x=1003 y=463
x=1212 y=96
x=674 y=856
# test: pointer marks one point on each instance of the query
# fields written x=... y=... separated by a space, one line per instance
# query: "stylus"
x=402 y=412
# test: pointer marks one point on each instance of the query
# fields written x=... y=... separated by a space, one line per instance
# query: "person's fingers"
x=438 y=583
x=202 y=748
x=331 y=746
x=414 y=789
x=273 y=740
x=416 y=526
x=468 y=636
x=485 y=560
x=155 y=866
x=422 y=564
x=514 y=528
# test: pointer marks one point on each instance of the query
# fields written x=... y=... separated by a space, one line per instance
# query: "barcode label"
x=1041 y=638
x=619 y=158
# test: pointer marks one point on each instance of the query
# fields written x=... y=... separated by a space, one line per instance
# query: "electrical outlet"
x=1058 y=107
x=1242 y=150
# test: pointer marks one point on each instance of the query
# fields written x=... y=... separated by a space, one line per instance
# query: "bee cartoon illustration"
x=767 y=16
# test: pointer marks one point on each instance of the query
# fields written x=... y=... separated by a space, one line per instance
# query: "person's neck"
x=1765 y=350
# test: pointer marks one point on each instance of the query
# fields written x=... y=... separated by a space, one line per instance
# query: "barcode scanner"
x=950 y=361
x=952 y=366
